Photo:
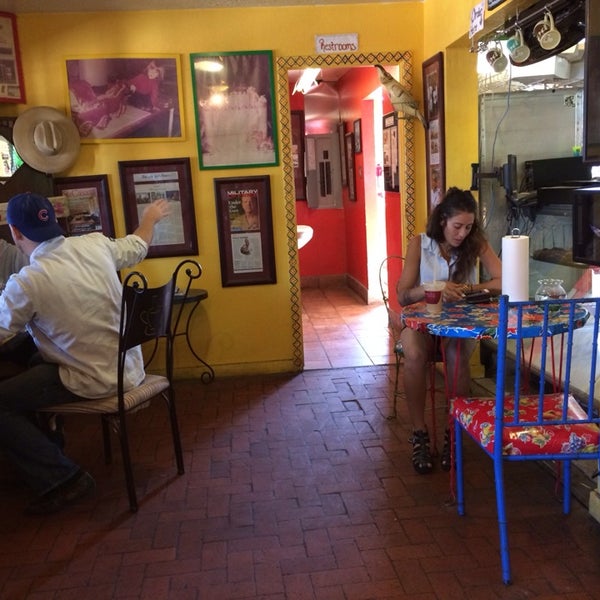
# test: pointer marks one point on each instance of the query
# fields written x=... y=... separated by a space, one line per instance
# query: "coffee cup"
x=546 y=33
x=433 y=296
x=519 y=51
x=497 y=59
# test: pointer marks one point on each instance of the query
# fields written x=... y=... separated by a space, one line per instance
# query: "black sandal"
x=447 y=452
x=421 y=455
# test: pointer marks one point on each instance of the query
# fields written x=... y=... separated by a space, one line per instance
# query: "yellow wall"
x=239 y=329
x=251 y=329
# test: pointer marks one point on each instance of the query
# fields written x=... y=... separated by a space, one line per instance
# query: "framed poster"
x=125 y=98
x=391 y=163
x=433 y=93
x=142 y=182
x=245 y=228
x=350 y=165
x=341 y=131
x=235 y=109
x=357 y=136
x=87 y=204
x=11 y=75
x=297 y=122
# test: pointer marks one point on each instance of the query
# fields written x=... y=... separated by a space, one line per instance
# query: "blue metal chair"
x=533 y=415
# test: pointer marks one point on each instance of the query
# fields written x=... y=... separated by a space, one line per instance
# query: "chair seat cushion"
x=476 y=416
x=151 y=386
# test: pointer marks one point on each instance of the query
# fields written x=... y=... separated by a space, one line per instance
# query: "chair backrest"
x=389 y=272
x=548 y=361
x=146 y=312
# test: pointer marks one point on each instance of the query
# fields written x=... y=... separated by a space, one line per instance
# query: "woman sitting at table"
x=448 y=251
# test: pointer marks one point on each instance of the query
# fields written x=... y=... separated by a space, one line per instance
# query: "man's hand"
x=152 y=214
x=157 y=211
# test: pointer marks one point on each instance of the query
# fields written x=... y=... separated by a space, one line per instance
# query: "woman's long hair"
x=458 y=201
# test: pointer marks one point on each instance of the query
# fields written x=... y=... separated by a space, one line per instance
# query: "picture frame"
x=433 y=94
x=126 y=98
x=391 y=160
x=341 y=133
x=236 y=123
x=350 y=165
x=245 y=230
x=297 y=124
x=494 y=3
x=12 y=88
x=87 y=207
x=357 y=128
x=142 y=182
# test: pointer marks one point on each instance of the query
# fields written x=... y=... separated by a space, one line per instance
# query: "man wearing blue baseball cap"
x=69 y=300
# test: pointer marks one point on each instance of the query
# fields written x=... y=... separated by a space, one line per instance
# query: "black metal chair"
x=146 y=318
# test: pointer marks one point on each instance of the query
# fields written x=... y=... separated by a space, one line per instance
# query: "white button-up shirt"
x=69 y=299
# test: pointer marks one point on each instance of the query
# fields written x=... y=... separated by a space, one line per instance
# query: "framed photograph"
x=142 y=182
x=357 y=137
x=433 y=94
x=235 y=109
x=391 y=163
x=350 y=165
x=125 y=98
x=87 y=204
x=493 y=3
x=11 y=75
x=342 y=142
x=297 y=123
x=245 y=228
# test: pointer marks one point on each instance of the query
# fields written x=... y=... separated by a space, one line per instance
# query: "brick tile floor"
x=296 y=487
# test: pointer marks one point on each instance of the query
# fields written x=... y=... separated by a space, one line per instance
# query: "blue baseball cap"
x=33 y=215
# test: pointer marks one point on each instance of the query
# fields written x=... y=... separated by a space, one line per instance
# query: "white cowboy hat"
x=46 y=139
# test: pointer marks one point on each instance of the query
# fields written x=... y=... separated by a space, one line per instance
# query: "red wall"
x=339 y=244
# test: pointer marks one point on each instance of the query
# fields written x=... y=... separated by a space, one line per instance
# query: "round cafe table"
x=480 y=321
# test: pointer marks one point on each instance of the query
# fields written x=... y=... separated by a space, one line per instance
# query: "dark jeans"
x=41 y=462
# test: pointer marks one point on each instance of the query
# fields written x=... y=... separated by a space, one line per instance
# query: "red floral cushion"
x=476 y=415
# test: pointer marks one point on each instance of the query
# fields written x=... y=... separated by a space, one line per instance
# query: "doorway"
x=406 y=134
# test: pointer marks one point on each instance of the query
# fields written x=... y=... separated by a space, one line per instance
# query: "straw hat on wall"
x=46 y=139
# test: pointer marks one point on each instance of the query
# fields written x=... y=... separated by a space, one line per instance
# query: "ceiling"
x=57 y=6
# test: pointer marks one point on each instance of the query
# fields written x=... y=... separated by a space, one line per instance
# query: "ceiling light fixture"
x=307 y=81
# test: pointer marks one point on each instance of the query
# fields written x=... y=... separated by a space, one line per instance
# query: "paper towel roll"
x=515 y=267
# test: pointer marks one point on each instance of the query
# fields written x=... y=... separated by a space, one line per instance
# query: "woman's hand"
x=453 y=292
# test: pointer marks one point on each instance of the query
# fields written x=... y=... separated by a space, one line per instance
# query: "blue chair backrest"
x=560 y=340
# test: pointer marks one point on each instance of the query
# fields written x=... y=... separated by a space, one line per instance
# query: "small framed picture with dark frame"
x=87 y=207
x=357 y=136
x=143 y=182
x=11 y=75
x=245 y=229
x=350 y=165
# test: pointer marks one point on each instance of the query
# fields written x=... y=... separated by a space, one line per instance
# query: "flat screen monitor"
x=586 y=226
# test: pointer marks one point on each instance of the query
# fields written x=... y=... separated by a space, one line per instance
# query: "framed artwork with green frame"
x=236 y=124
